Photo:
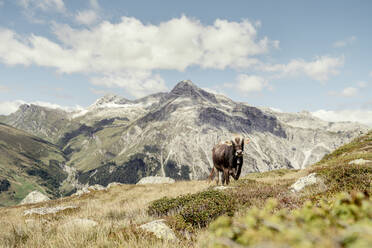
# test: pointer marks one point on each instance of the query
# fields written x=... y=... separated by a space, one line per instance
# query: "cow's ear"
x=228 y=142
x=246 y=141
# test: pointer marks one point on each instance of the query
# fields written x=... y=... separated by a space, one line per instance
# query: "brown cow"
x=228 y=159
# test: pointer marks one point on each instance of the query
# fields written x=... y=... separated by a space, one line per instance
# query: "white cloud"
x=8 y=107
x=362 y=84
x=44 y=5
x=370 y=73
x=349 y=91
x=248 y=83
x=109 y=49
x=176 y=44
x=346 y=92
x=87 y=17
x=343 y=43
x=361 y=116
x=319 y=69
x=136 y=83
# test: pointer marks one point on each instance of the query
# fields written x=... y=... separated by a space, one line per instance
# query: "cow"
x=228 y=159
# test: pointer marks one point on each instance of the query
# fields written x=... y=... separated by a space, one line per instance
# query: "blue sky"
x=288 y=55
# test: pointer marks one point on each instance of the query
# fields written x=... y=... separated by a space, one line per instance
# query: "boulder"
x=96 y=187
x=34 y=197
x=155 y=180
x=304 y=181
x=360 y=161
x=159 y=229
x=88 y=189
x=113 y=184
x=47 y=210
x=222 y=187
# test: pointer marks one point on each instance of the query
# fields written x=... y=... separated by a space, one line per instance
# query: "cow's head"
x=238 y=145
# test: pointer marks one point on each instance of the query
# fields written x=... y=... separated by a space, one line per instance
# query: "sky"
x=289 y=55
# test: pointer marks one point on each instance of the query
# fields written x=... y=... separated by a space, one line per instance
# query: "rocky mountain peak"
x=28 y=107
x=187 y=88
x=110 y=99
x=184 y=87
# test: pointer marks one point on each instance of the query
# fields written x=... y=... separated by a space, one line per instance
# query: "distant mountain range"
x=172 y=134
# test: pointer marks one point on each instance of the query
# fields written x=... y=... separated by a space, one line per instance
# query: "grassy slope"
x=28 y=163
x=287 y=221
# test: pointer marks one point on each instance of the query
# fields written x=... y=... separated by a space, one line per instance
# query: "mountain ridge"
x=172 y=134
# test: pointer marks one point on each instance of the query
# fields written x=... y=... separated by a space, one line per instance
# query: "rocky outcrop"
x=159 y=229
x=113 y=184
x=155 y=180
x=302 y=182
x=34 y=197
x=360 y=161
x=88 y=189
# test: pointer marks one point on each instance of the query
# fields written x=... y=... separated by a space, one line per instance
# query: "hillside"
x=265 y=211
x=172 y=134
x=28 y=163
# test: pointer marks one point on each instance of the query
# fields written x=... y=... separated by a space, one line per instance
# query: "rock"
x=96 y=187
x=304 y=181
x=47 y=210
x=360 y=161
x=79 y=223
x=88 y=189
x=113 y=184
x=34 y=197
x=160 y=229
x=222 y=187
x=81 y=192
x=155 y=180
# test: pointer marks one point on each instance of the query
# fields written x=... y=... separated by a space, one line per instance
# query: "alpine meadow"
x=209 y=124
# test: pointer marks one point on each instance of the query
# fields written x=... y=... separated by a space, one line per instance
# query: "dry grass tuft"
x=117 y=212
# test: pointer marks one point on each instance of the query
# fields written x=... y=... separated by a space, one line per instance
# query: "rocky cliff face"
x=172 y=134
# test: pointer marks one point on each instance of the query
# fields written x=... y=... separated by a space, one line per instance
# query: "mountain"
x=28 y=163
x=46 y=123
x=172 y=134
x=335 y=211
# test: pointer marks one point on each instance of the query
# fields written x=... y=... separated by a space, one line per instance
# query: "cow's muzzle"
x=239 y=153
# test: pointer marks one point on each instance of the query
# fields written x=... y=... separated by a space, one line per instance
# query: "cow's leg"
x=211 y=176
x=233 y=173
x=227 y=176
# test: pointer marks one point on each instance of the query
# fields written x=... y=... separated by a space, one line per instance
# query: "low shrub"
x=206 y=207
x=342 y=222
x=195 y=210
x=254 y=193
x=347 y=177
